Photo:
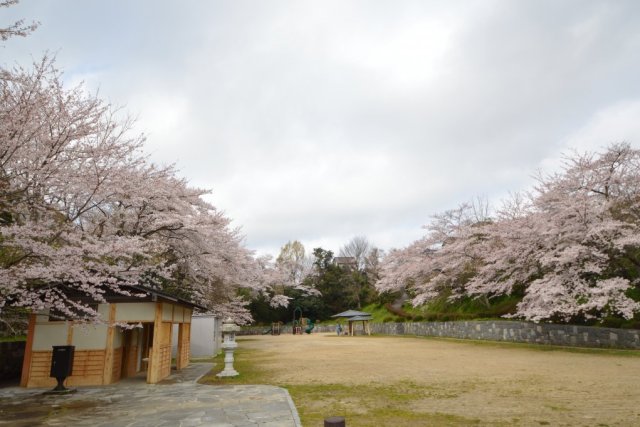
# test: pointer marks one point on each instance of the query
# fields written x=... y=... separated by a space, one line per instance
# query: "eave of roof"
x=155 y=295
x=352 y=319
x=351 y=313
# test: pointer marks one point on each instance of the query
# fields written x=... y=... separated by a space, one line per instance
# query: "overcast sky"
x=320 y=121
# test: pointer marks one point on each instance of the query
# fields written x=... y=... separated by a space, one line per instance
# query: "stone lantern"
x=229 y=329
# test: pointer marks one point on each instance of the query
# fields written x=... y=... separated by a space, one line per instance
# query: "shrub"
x=612 y=322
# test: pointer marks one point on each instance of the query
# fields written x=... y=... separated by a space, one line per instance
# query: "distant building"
x=348 y=262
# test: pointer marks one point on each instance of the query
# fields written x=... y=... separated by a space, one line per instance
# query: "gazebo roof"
x=352 y=313
x=354 y=318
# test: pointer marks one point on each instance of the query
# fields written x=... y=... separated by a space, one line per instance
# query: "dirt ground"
x=461 y=382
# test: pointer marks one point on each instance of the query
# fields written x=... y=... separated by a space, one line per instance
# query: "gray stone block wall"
x=514 y=331
x=259 y=330
x=499 y=330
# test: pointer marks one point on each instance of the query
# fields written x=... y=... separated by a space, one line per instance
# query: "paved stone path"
x=177 y=401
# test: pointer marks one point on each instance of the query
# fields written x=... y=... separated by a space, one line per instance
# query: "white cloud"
x=614 y=123
x=320 y=121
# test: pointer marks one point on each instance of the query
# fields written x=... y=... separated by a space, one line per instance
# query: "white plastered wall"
x=50 y=334
x=136 y=312
x=167 y=312
x=205 y=336
x=90 y=337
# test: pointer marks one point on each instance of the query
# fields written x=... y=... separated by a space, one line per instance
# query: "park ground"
x=404 y=381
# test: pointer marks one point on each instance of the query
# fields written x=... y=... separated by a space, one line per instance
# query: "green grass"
x=371 y=405
x=213 y=359
x=380 y=404
x=379 y=312
x=364 y=405
x=245 y=363
x=441 y=309
x=13 y=338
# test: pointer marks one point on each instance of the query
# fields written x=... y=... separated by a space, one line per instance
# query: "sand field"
x=466 y=382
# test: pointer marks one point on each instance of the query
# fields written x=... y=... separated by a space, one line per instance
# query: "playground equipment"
x=301 y=323
x=310 y=327
x=275 y=328
x=296 y=325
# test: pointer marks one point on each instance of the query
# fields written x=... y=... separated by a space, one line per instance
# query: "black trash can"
x=61 y=364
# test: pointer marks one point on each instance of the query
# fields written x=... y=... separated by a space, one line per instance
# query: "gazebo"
x=353 y=316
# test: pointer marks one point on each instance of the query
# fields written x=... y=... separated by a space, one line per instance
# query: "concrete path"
x=177 y=401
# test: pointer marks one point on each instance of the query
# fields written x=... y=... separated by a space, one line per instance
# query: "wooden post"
x=69 y=332
x=184 y=343
x=130 y=353
x=28 y=351
x=108 y=352
x=155 y=361
x=179 y=361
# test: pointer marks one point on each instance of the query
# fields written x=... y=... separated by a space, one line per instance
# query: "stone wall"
x=499 y=330
x=525 y=332
x=11 y=355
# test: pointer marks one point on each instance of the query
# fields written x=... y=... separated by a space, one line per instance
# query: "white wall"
x=47 y=335
x=206 y=336
x=136 y=311
x=90 y=337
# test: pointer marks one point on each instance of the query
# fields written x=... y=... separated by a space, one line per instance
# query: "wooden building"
x=105 y=353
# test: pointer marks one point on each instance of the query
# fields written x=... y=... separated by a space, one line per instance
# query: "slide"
x=310 y=327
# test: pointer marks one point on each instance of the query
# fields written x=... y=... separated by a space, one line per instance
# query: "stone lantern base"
x=229 y=328
x=228 y=371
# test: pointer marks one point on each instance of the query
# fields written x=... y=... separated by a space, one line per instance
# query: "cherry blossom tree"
x=83 y=211
x=442 y=262
x=17 y=28
x=60 y=151
x=570 y=247
x=587 y=223
x=287 y=272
